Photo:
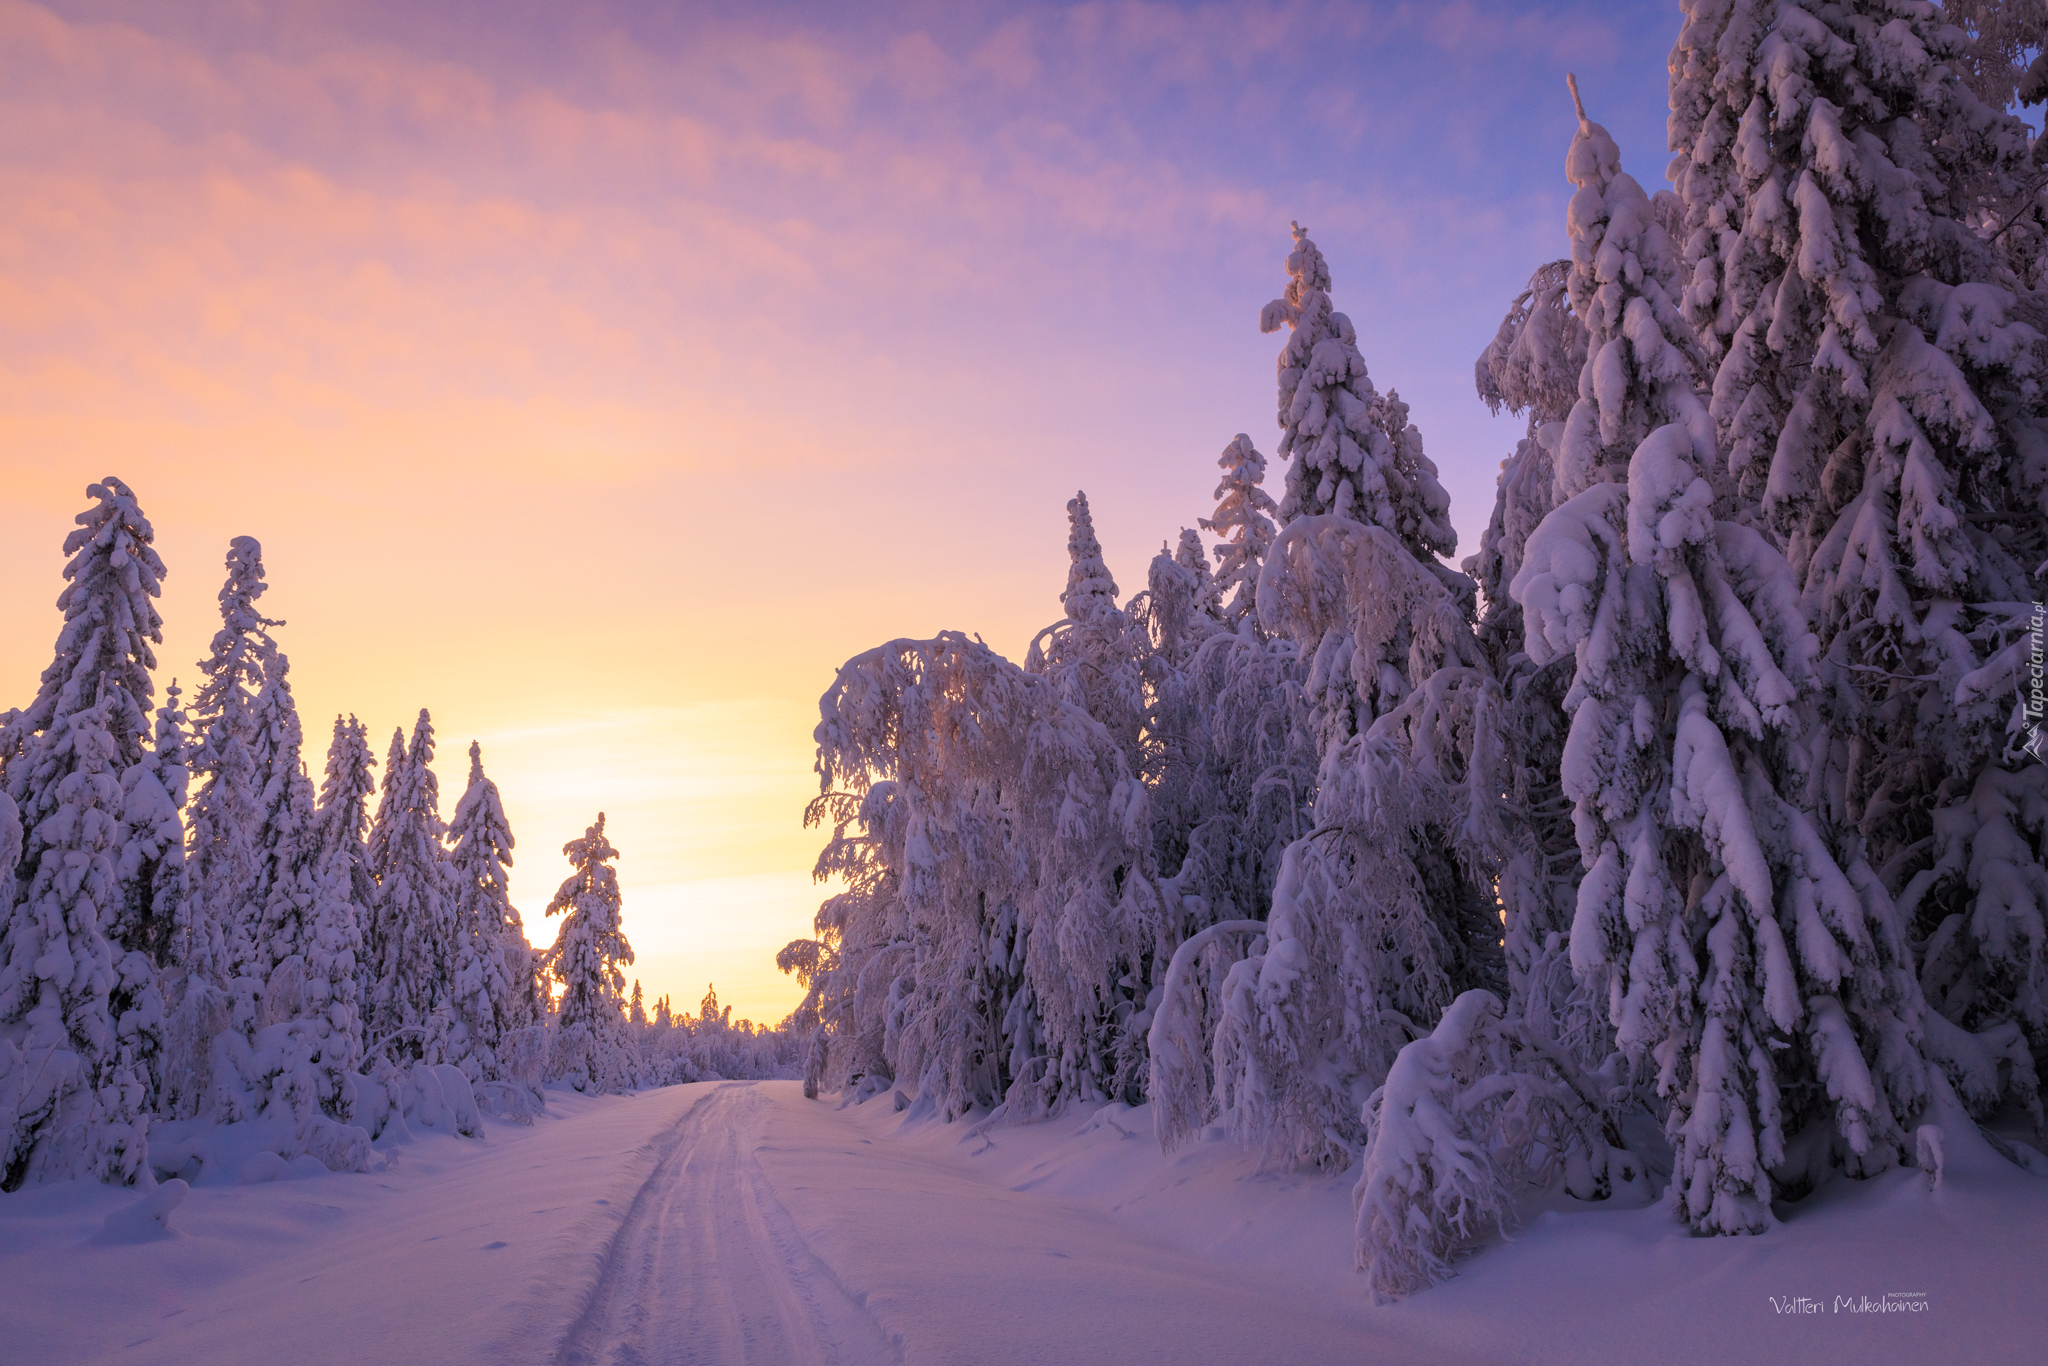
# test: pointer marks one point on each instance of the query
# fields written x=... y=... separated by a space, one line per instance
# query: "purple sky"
x=602 y=375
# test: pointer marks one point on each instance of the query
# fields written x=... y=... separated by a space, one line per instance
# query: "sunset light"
x=1254 y=644
x=611 y=377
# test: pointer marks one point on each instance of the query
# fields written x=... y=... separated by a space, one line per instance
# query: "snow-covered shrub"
x=1430 y=1180
x=1180 y=1038
x=1469 y=1114
x=294 y=1075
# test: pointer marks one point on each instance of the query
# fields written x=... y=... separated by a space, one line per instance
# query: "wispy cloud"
x=611 y=356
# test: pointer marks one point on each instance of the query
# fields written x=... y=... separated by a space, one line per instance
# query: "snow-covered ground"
x=737 y=1222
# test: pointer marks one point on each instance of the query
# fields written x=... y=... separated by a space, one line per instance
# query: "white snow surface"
x=736 y=1222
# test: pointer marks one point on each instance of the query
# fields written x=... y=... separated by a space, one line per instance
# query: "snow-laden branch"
x=1182 y=1101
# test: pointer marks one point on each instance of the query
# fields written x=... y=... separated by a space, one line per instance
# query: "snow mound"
x=148 y=1219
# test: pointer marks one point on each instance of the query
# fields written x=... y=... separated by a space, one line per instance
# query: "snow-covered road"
x=739 y=1223
x=709 y=1267
x=773 y=1230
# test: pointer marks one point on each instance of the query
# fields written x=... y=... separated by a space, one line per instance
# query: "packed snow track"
x=708 y=1266
x=731 y=1223
x=771 y=1229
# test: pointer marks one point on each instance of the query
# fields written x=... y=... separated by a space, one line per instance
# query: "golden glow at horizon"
x=604 y=400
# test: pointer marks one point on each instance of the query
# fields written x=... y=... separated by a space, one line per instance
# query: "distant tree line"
x=190 y=935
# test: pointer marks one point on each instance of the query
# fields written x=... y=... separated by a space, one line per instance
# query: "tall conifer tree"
x=1244 y=523
x=223 y=900
x=494 y=983
x=1878 y=385
x=1763 y=984
x=587 y=960
x=81 y=1017
x=412 y=935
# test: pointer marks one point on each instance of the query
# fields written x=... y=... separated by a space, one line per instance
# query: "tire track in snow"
x=596 y=1302
x=708 y=1267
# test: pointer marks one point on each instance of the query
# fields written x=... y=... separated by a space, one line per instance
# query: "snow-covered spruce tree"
x=153 y=862
x=1176 y=613
x=411 y=935
x=1181 y=610
x=1352 y=458
x=1119 y=666
x=380 y=829
x=1234 y=766
x=1244 y=524
x=1762 y=980
x=293 y=1059
x=1378 y=919
x=72 y=1093
x=102 y=665
x=496 y=989
x=1381 y=913
x=1095 y=653
x=225 y=873
x=1181 y=600
x=330 y=1004
x=1246 y=696
x=284 y=840
x=593 y=1050
x=1001 y=924
x=1191 y=555
x=293 y=1067
x=1090 y=594
x=214 y=931
x=342 y=822
x=1879 y=389
x=345 y=897
x=266 y=921
x=1533 y=367
x=1346 y=453
x=103 y=652
x=111 y=573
